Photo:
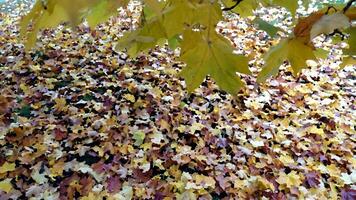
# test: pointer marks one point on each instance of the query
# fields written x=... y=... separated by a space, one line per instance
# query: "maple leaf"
x=346 y=61
x=7 y=167
x=114 y=184
x=181 y=19
x=244 y=8
x=348 y=194
x=139 y=137
x=6 y=185
x=312 y=179
x=60 y=104
x=289 y=180
x=328 y=23
x=291 y=5
x=103 y=10
x=266 y=26
x=293 y=50
x=125 y=193
x=351 y=41
x=304 y=25
x=213 y=56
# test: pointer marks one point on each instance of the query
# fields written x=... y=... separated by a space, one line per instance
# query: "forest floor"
x=78 y=119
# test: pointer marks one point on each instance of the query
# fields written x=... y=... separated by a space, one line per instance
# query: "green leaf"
x=321 y=53
x=351 y=41
x=5 y=185
x=155 y=6
x=213 y=56
x=298 y=54
x=139 y=137
x=208 y=13
x=174 y=42
x=181 y=13
x=25 y=111
x=142 y=39
x=347 y=61
x=7 y=167
x=263 y=25
x=273 y=60
x=103 y=11
x=291 y=5
x=293 y=50
x=245 y=8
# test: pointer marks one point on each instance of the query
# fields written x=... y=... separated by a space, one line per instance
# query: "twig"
x=348 y=5
x=232 y=7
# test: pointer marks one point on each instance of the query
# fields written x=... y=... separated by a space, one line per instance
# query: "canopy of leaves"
x=190 y=24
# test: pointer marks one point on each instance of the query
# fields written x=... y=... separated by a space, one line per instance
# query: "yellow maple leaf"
x=286 y=159
x=205 y=181
x=7 y=167
x=316 y=130
x=90 y=196
x=130 y=97
x=289 y=180
x=57 y=168
x=5 y=185
x=333 y=170
x=60 y=104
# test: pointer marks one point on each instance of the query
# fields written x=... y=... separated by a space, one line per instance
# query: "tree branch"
x=232 y=7
x=348 y=5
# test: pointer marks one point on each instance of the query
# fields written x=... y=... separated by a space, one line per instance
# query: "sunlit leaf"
x=351 y=41
x=348 y=61
x=293 y=50
x=244 y=8
x=211 y=56
x=290 y=5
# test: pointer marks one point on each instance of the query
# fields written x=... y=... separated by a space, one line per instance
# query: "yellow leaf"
x=298 y=54
x=244 y=9
x=211 y=56
x=264 y=184
x=7 y=167
x=90 y=196
x=291 y=5
x=25 y=89
x=294 y=50
x=316 y=130
x=288 y=180
x=205 y=181
x=57 y=168
x=130 y=97
x=286 y=159
x=5 y=185
x=334 y=171
x=60 y=104
x=187 y=195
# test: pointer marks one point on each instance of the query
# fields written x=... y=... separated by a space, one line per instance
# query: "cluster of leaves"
x=191 y=24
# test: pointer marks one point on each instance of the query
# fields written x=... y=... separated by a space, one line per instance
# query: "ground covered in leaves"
x=80 y=120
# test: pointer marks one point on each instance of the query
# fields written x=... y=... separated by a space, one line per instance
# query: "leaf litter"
x=81 y=120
